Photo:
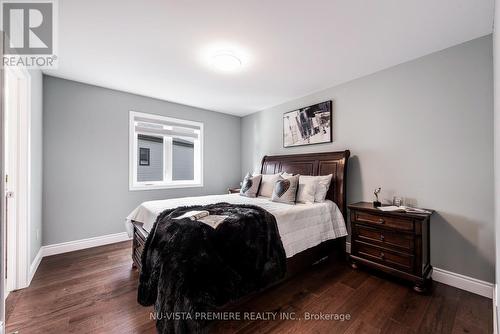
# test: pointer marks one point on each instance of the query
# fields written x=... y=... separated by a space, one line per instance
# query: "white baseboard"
x=72 y=246
x=35 y=264
x=463 y=282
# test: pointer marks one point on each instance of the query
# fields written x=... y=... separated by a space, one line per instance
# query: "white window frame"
x=135 y=185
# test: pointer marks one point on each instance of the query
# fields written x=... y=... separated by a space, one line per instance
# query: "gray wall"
x=36 y=163
x=422 y=130
x=86 y=162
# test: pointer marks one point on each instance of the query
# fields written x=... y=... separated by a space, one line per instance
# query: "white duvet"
x=301 y=226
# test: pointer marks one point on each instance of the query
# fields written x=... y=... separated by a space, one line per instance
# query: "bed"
x=325 y=227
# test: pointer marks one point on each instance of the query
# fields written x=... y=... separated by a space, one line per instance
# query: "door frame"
x=22 y=240
x=2 y=189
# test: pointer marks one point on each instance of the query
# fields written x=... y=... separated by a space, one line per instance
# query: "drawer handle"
x=381 y=221
x=382 y=237
x=382 y=255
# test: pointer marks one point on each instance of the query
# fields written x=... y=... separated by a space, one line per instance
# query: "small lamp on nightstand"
x=376 y=202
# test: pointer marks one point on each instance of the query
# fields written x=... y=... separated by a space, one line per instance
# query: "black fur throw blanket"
x=189 y=267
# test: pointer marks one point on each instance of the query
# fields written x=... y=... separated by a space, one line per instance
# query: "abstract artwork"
x=309 y=125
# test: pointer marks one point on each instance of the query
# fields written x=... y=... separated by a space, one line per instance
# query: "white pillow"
x=286 y=175
x=322 y=187
x=267 y=184
x=307 y=189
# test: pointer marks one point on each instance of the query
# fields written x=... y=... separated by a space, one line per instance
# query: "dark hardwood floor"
x=94 y=291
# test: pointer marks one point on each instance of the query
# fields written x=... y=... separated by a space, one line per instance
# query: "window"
x=165 y=152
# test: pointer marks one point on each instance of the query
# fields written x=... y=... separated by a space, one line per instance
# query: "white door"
x=10 y=177
x=16 y=177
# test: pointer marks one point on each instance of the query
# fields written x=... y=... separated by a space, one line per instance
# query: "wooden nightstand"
x=233 y=190
x=394 y=242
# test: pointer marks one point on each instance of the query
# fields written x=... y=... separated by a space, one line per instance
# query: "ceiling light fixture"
x=226 y=62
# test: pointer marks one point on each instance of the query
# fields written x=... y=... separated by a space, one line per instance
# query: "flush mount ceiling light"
x=226 y=62
x=225 y=57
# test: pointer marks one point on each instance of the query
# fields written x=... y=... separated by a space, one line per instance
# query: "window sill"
x=164 y=186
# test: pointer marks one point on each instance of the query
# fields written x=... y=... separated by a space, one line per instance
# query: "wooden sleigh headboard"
x=314 y=164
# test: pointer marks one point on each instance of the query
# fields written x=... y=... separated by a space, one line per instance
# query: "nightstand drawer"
x=384 y=238
x=384 y=256
x=396 y=223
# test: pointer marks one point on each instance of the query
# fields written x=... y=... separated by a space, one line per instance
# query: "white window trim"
x=155 y=185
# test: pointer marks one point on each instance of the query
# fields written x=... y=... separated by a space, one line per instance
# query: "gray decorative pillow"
x=285 y=190
x=250 y=185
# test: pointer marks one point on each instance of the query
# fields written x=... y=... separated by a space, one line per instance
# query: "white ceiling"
x=289 y=48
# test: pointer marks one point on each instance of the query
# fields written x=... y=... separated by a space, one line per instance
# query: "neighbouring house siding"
x=182 y=161
x=153 y=172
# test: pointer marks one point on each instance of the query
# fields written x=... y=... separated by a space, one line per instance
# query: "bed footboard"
x=139 y=239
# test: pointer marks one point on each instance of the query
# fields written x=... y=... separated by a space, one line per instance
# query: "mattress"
x=301 y=226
